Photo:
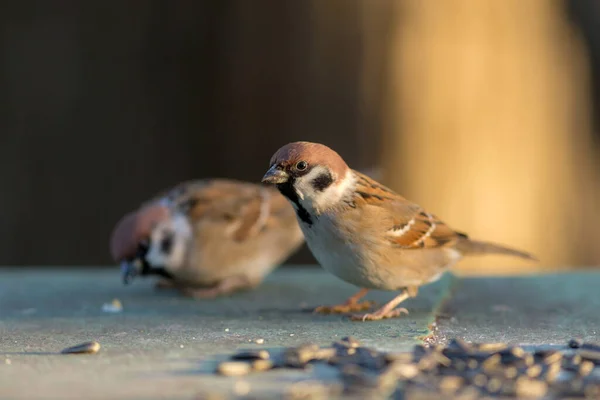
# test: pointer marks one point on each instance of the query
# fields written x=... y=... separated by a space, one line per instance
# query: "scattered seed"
x=494 y=385
x=226 y=329
x=585 y=368
x=590 y=355
x=590 y=346
x=552 y=372
x=511 y=372
x=450 y=384
x=491 y=363
x=403 y=357
x=534 y=371
x=114 y=306
x=480 y=380
x=84 y=348
x=529 y=388
x=262 y=365
x=259 y=341
x=233 y=368
x=7 y=361
x=404 y=371
x=349 y=341
x=492 y=347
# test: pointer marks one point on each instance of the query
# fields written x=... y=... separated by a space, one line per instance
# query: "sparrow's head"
x=136 y=236
x=309 y=174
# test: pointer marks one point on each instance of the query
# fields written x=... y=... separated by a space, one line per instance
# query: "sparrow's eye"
x=301 y=165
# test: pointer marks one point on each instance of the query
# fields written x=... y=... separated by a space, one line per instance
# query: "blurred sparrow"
x=208 y=237
x=363 y=232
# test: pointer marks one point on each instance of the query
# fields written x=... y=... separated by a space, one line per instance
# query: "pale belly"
x=364 y=268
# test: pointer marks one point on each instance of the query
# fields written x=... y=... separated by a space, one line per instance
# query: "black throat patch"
x=287 y=189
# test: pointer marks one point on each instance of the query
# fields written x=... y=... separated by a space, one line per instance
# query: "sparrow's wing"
x=244 y=207
x=406 y=224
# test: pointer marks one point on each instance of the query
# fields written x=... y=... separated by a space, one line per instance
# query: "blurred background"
x=484 y=112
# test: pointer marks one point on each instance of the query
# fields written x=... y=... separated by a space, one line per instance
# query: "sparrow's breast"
x=338 y=254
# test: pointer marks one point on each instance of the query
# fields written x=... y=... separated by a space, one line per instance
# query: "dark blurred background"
x=484 y=112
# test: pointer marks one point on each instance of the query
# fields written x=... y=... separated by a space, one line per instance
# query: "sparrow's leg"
x=389 y=310
x=224 y=287
x=350 y=305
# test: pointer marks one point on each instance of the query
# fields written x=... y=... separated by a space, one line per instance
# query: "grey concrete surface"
x=165 y=346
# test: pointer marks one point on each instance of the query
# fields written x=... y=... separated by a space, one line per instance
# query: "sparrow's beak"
x=275 y=175
x=129 y=270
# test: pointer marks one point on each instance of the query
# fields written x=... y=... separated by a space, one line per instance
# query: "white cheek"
x=312 y=199
x=182 y=234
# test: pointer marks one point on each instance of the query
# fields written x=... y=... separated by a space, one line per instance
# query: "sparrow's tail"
x=475 y=247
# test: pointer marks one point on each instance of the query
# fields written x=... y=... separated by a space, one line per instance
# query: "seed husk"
x=83 y=348
x=252 y=355
x=529 y=388
x=590 y=346
x=590 y=355
x=233 y=368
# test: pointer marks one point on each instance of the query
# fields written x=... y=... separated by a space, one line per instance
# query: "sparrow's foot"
x=351 y=305
x=224 y=287
x=389 y=310
x=376 y=316
x=345 y=308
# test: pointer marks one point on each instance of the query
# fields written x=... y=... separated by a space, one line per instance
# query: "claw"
x=376 y=316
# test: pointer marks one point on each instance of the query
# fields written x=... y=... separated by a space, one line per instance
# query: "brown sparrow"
x=207 y=237
x=363 y=232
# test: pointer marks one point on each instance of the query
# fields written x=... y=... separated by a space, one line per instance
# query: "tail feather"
x=476 y=247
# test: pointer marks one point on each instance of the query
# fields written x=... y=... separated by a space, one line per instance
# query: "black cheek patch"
x=322 y=181
x=166 y=244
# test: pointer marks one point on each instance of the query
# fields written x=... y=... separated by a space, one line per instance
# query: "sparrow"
x=365 y=233
x=207 y=238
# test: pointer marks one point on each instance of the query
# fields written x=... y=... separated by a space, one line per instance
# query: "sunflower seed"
x=451 y=384
x=233 y=368
x=251 y=355
x=84 y=348
x=585 y=368
x=529 y=388
x=590 y=346
x=480 y=380
x=590 y=355
x=492 y=347
x=262 y=365
x=534 y=371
